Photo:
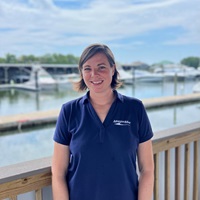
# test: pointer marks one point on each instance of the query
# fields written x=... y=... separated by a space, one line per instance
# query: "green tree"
x=72 y=59
x=27 y=59
x=2 y=60
x=191 y=61
x=45 y=59
x=10 y=58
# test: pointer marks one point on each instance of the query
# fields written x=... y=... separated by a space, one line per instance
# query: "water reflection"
x=167 y=117
x=18 y=101
x=36 y=143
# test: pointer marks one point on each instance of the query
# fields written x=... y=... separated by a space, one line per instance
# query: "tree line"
x=71 y=59
x=191 y=61
x=45 y=59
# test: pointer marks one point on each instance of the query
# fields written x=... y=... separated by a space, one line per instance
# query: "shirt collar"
x=85 y=98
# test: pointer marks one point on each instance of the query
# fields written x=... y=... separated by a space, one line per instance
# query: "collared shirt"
x=103 y=155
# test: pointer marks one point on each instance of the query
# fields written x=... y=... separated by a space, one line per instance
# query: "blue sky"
x=136 y=30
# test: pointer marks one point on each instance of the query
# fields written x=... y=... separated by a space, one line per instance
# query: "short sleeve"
x=145 y=130
x=61 y=134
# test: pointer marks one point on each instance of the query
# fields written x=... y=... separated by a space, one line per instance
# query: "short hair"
x=90 y=51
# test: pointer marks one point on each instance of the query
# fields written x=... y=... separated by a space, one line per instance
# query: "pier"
x=20 y=73
x=50 y=116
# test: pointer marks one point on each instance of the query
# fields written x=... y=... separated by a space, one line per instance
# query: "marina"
x=36 y=77
x=27 y=123
x=48 y=117
x=35 y=141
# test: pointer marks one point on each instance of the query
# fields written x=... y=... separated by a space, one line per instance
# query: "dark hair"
x=87 y=54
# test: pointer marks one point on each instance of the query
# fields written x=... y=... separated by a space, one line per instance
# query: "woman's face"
x=97 y=73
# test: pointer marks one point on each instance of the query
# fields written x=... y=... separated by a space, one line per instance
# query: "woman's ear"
x=113 y=69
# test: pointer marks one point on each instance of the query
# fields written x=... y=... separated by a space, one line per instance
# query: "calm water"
x=37 y=143
x=15 y=101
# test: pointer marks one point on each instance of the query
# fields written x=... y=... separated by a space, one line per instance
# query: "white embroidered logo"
x=122 y=123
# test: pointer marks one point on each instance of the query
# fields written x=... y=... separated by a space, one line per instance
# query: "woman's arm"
x=146 y=167
x=60 y=164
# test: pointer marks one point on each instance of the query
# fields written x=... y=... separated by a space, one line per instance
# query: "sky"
x=148 y=31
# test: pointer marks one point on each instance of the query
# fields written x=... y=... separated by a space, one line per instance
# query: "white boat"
x=41 y=79
x=65 y=80
x=125 y=77
x=196 y=87
x=129 y=77
x=180 y=71
x=145 y=76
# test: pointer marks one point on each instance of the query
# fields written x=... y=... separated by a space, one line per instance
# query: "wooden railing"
x=176 y=157
x=30 y=178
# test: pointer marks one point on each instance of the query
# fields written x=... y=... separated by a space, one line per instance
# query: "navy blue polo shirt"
x=103 y=155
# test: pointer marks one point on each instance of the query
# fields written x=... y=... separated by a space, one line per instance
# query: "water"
x=37 y=143
x=16 y=101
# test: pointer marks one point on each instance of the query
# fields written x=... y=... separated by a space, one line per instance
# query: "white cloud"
x=40 y=23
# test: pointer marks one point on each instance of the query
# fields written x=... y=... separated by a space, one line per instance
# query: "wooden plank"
x=13 y=197
x=156 y=176
x=38 y=194
x=196 y=171
x=187 y=172
x=175 y=141
x=24 y=185
x=167 y=175
x=177 y=172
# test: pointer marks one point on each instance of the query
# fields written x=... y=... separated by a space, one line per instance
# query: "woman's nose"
x=94 y=72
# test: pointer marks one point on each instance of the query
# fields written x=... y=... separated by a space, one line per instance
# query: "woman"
x=99 y=136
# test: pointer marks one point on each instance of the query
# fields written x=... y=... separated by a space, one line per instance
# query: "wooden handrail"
x=184 y=141
x=35 y=175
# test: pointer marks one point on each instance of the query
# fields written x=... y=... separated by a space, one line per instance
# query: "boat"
x=125 y=77
x=196 y=87
x=131 y=76
x=41 y=79
x=145 y=76
x=182 y=72
x=66 y=80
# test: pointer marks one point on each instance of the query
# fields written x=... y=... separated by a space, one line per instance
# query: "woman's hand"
x=60 y=162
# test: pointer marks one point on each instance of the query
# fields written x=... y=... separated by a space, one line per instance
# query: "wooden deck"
x=177 y=169
x=50 y=116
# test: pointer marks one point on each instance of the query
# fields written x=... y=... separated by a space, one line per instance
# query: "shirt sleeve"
x=61 y=134
x=145 y=130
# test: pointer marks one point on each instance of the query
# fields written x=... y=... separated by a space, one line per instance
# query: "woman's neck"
x=100 y=99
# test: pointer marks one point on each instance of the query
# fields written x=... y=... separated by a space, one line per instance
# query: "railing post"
x=196 y=171
x=13 y=197
x=38 y=194
x=156 y=176
x=177 y=173
x=167 y=175
x=187 y=172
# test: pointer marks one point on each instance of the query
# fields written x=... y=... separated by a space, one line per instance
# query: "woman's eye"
x=86 y=69
x=102 y=67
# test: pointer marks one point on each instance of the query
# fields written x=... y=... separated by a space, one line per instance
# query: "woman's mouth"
x=96 y=82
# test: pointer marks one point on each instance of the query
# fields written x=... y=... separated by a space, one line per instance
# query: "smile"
x=96 y=82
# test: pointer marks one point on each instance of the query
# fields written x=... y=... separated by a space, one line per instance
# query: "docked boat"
x=131 y=76
x=180 y=71
x=41 y=79
x=145 y=76
x=125 y=77
x=196 y=87
x=64 y=80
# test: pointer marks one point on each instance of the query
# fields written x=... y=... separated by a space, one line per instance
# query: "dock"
x=18 y=86
x=14 y=122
